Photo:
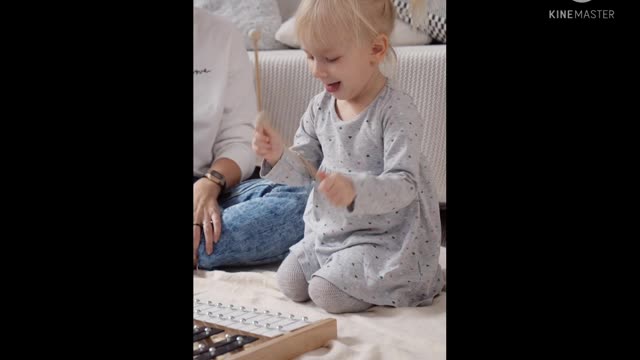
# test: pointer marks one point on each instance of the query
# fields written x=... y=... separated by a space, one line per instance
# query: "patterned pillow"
x=429 y=16
x=247 y=15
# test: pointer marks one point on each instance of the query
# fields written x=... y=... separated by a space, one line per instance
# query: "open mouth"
x=333 y=87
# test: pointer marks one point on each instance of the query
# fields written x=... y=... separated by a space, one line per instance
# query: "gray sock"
x=291 y=280
x=333 y=300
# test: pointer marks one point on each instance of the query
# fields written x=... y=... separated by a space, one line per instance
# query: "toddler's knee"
x=291 y=280
x=323 y=294
x=332 y=299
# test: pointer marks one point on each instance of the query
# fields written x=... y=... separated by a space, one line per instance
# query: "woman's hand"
x=206 y=215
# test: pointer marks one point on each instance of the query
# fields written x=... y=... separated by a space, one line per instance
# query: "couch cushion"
x=247 y=15
x=288 y=8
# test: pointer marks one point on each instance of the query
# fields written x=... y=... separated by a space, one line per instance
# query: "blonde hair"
x=323 y=22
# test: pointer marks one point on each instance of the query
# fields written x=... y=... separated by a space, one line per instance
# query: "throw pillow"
x=428 y=16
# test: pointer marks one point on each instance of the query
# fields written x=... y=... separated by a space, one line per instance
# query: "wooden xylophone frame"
x=258 y=347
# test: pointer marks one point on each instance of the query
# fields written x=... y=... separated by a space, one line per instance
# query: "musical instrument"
x=263 y=118
x=227 y=331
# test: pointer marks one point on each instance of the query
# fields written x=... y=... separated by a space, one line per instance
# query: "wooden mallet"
x=263 y=119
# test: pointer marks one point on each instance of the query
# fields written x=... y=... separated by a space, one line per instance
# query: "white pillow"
x=286 y=33
x=402 y=35
x=247 y=15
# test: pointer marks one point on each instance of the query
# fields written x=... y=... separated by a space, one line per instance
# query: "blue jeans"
x=260 y=221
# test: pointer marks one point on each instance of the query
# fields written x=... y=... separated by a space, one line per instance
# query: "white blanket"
x=379 y=333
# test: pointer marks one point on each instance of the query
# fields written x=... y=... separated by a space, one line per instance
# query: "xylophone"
x=227 y=331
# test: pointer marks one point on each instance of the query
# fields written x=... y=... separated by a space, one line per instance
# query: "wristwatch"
x=217 y=178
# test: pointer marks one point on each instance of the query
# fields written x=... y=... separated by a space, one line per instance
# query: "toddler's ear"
x=379 y=48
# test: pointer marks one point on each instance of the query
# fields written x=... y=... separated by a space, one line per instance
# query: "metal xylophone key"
x=200 y=333
x=245 y=319
x=230 y=343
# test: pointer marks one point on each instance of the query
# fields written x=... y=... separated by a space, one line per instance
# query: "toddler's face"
x=344 y=71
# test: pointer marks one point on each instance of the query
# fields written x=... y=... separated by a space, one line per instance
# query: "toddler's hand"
x=266 y=141
x=337 y=188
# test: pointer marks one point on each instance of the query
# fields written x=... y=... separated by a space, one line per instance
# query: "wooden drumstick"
x=310 y=168
x=263 y=118
x=255 y=36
